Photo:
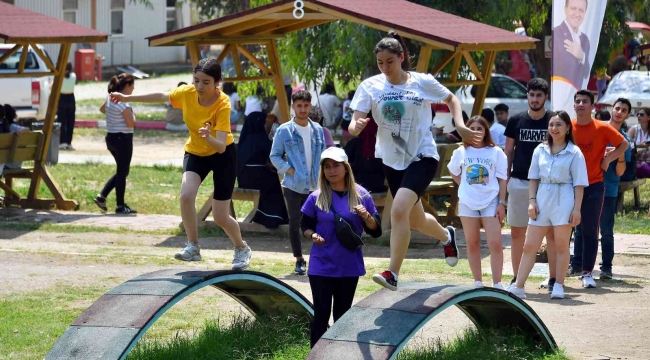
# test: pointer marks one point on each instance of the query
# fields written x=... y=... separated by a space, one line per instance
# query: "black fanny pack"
x=346 y=235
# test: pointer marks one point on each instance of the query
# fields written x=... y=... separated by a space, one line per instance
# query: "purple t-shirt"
x=332 y=259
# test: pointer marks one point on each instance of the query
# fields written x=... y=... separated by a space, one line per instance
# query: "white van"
x=28 y=95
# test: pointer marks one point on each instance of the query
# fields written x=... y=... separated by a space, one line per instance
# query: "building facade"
x=127 y=22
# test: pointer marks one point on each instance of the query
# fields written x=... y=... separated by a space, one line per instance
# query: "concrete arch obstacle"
x=110 y=327
x=379 y=326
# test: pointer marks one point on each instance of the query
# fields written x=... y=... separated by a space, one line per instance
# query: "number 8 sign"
x=298 y=9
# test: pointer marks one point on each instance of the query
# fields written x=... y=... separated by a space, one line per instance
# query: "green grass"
x=242 y=338
x=32 y=323
x=150 y=190
x=484 y=345
x=142 y=116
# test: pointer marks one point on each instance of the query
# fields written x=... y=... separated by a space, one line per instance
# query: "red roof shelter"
x=434 y=29
x=26 y=29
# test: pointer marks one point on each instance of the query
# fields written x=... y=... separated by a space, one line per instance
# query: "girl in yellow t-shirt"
x=210 y=147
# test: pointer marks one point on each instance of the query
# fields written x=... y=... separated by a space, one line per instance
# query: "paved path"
x=624 y=243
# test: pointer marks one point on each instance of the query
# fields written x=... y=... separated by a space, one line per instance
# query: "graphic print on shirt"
x=477 y=174
x=532 y=135
x=397 y=121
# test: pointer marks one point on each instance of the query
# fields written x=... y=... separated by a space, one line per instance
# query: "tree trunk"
x=537 y=55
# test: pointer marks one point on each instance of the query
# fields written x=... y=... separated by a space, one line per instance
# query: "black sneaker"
x=100 y=202
x=606 y=274
x=451 y=250
x=386 y=279
x=574 y=271
x=301 y=267
x=125 y=210
x=551 y=283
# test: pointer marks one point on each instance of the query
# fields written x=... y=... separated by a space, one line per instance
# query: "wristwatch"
x=503 y=203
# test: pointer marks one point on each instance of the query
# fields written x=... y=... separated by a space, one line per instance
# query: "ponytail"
x=394 y=43
x=119 y=82
x=68 y=70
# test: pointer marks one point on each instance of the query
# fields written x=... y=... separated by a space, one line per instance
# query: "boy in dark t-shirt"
x=524 y=132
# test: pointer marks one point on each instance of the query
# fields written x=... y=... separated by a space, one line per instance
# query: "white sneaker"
x=498 y=286
x=242 y=258
x=518 y=292
x=478 y=284
x=190 y=253
x=544 y=284
x=63 y=146
x=558 y=291
x=588 y=281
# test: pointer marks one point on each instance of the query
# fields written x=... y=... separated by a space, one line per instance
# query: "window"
x=13 y=61
x=70 y=10
x=171 y=15
x=117 y=17
x=511 y=89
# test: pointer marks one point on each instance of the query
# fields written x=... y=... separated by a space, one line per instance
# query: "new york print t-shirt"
x=479 y=170
x=403 y=116
x=527 y=133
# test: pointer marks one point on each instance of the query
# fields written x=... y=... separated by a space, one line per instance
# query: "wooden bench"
x=237 y=194
x=624 y=186
x=17 y=147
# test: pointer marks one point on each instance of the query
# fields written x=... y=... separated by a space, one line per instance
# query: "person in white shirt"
x=400 y=101
x=330 y=105
x=497 y=131
x=481 y=171
x=235 y=106
x=66 y=110
x=557 y=178
x=254 y=102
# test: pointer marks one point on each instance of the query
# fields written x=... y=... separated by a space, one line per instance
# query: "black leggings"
x=323 y=289
x=121 y=147
x=65 y=114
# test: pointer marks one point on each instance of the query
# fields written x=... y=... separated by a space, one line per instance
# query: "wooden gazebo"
x=435 y=30
x=26 y=29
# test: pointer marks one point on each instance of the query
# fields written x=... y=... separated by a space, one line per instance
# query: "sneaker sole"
x=381 y=281
x=452 y=261
x=589 y=286
x=242 y=267
x=103 y=207
x=605 y=277
x=557 y=297
x=193 y=258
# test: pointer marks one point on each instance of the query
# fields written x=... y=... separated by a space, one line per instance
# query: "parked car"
x=632 y=85
x=501 y=89
x=28 y=95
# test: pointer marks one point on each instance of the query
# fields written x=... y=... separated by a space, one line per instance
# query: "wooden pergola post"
x=481 y=91
x=278 y=80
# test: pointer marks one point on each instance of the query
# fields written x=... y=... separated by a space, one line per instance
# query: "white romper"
x=557 y=174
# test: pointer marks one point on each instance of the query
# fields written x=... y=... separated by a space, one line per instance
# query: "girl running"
x=210 y=147
x=400 y=101
x=481 y=171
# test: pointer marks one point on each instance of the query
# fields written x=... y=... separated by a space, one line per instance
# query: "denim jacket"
x=287 y=141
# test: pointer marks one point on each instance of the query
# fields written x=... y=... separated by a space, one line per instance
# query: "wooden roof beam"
x=23 y=59
x=9 y=53
x=243 y=27
x=45 y=59
x=472 y=65
x=307 y=16
x=497 y=46
x=254 y=60
x=214 y=40
x=299 y=25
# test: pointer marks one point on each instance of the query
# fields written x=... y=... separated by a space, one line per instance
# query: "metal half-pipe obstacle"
x=377 y=327
x=110 y=327
x=380 y=325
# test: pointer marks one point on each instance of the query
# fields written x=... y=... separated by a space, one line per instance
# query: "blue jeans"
x=585 y=245
x=607 y=232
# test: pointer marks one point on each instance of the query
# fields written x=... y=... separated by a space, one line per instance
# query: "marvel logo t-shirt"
x=527 y=133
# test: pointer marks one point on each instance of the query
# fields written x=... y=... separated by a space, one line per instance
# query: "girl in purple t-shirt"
x=334 y=270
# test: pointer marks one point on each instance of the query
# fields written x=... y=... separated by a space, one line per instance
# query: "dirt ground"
x=610 y=322
x=145 y=149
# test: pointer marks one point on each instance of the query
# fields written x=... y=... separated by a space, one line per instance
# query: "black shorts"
x=223 y=167
x=416 y=177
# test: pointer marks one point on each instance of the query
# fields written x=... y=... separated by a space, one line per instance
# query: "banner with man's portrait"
x=575 y=36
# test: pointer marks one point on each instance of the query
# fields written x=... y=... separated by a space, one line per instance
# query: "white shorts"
x=488 y=211
x=555 y=204
x=517 y=212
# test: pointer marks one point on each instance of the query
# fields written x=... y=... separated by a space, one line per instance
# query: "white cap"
x=335 y=153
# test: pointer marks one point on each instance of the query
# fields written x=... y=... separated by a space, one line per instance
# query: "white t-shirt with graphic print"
x=403 y=116
x=479 y=170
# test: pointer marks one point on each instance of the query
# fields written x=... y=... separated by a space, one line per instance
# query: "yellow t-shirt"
x=195 y=116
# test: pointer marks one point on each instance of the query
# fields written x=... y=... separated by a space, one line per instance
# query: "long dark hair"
x=10 y=114
x=4 y=125
x=68 y=70
x=395 y=44
x=487 y=138
x=119 y=82
x=567 y=120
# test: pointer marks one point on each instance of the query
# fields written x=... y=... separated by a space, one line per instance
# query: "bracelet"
x=533 y=198
x=622 y=161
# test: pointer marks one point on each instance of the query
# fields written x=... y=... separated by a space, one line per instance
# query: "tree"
x=347 y=54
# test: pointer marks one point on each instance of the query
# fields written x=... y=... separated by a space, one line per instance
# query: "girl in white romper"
x=481 y=172
x=558 y=176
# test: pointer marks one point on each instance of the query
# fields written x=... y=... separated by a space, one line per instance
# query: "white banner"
x=576 y=32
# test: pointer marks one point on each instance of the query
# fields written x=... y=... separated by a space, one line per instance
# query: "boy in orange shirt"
x=592 y=137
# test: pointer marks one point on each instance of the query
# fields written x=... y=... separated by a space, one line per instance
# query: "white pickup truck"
x=28 y=95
